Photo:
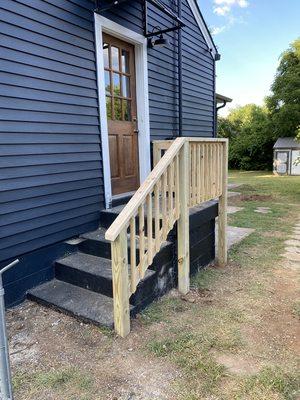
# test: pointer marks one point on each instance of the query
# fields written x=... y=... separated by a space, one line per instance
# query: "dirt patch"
x=255 y=197
x=239 y=364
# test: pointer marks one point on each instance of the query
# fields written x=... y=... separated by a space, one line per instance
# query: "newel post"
x=222 y=219
x=183 y=230
x=120 y=285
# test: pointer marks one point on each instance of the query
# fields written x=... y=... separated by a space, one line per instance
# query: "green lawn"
x=235 y=336
x=229 y=345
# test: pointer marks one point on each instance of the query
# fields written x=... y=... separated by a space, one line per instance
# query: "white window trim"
x=141 y=68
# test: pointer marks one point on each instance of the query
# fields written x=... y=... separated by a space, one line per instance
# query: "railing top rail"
x=203 y=140
x=140 y=195
x=193 y=139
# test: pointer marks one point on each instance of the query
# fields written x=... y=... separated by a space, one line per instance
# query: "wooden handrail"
x=140 y=195
x=188 y=171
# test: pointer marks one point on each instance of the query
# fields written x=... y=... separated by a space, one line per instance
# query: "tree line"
x=253 y=129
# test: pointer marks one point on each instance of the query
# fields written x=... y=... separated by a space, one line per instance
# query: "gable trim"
x=203 y=27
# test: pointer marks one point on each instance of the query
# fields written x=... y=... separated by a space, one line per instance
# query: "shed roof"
x=287 y=143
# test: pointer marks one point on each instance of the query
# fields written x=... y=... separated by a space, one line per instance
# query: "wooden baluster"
x=195 y=167
x=133 y=269
x=214 y=163
x=141 y=239
x=120 y=284
x=221 y=167
x=218 y=169
x=222 y=219
x=177 y=187
x=198 y=173
x=191 y=175
x=206 y=172
x=169 y=204
x=156 y=219
x=183 y=241
x=149 y=229
x=164 y=205
x=202 y=175
x=212 y=166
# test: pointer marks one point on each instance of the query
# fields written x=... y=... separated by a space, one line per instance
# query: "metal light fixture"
x=160 y=40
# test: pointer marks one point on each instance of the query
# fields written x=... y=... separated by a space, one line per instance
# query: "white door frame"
x=141 y=69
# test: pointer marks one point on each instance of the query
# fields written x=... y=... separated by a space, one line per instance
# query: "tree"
x=251 y=140
x=284 y=102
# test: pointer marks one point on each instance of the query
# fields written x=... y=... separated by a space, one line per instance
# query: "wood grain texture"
x=183 y=222
x=189 y=173
x=222 y=219
x=120 y=285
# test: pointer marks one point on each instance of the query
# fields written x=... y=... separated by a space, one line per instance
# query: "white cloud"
x=243 y=3
x=228 y=4
x=216 y=30
x=223 y=8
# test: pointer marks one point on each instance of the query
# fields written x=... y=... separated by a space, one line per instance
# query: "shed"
x=286 y=152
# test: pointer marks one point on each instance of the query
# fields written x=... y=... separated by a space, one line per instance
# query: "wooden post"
x=156 y=153
x=222 y=219
x=120 y=284
x=183 y=240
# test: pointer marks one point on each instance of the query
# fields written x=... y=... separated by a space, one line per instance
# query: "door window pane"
x=108 y=107
x=126 y=86
x=115 y=58
x=125 y=61
x=127 y=110
x=107 y=82
x=117 y=84
x=105 y=55
x=118 y=109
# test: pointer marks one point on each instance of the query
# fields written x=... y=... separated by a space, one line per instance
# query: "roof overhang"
x=220 y=98
x=204 y=29
x=103 y=5
x=223 y=100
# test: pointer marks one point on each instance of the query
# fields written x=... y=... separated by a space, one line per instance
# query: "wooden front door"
x=120 y=94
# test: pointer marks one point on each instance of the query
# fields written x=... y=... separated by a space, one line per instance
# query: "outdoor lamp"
x=160 y=40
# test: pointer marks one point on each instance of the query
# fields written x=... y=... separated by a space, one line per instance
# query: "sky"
x=250 y=36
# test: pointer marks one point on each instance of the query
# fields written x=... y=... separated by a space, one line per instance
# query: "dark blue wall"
x=51 y=185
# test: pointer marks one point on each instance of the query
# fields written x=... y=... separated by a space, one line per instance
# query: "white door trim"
x=141 y=66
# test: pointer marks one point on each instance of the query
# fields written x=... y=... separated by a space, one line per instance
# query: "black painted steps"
x=108 y=216
x=96 y=244
x=80 y=303
x=95 y=274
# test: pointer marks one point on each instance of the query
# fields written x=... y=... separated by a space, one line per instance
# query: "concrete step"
x=95 y=274
x=75 y=301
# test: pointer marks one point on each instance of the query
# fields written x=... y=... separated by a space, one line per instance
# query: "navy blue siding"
x=51 y=184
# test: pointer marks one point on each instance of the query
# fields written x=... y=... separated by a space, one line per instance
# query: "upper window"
x=118 y=75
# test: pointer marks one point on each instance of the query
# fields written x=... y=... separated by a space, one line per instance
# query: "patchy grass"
x=192 y=354
x=231 y=301
x=281 y=188
x=162 y=310
x=233 y=337
x=270 y=381
x=296 y=309
x=57 y=380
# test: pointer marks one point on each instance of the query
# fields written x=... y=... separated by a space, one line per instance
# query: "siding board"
x=50 y=148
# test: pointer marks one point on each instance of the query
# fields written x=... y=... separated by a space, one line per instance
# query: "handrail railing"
x=191 y=171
